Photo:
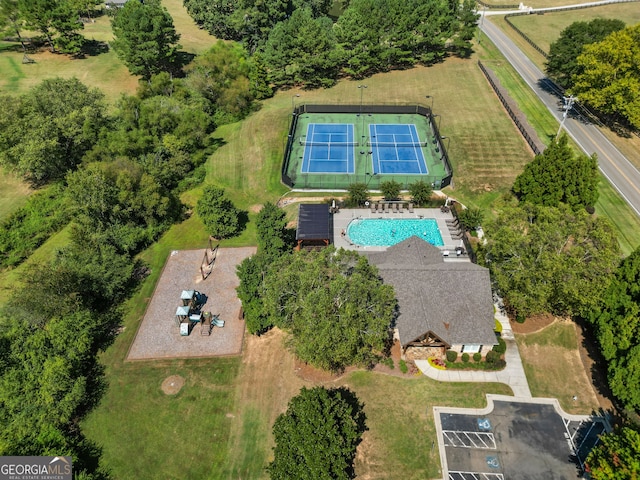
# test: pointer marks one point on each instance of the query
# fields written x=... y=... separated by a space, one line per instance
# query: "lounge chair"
x=385 y=208
x=394 y=207
x=400 y=208
x=374 y=206
x=411 y=208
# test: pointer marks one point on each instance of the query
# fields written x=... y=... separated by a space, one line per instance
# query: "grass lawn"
x=13 y=193
x=553 y=367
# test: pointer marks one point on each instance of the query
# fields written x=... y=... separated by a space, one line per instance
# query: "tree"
x=616 y=457
x=302 y=51
x=271 y=224
x=221 y=75
x=318 y=435
x=390 y=189
x=559 y=175
x=467 y=23
x=617 y=325
x=51 y=17
x=550 y=259
x=357 y=194
x=610 y=76
x=334 y=305
x=145 y=38
x=46 y=132
x=562 y=63
x=471 y=218
x=421 y=192
x=11 y=19
x=116 y=203
x=220 y=217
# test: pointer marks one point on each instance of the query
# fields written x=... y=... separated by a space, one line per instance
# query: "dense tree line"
x=617 y=456
x=300 y=45
x=562 y=62
x=595 y=61
x=609 y=80
x=617 y=326
x=117 y=175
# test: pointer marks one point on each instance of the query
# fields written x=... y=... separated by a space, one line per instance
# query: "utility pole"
x=568 y=105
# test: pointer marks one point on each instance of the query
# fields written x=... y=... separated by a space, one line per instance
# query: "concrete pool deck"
x=345 y=216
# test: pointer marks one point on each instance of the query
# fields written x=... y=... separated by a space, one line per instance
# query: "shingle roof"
x=451 y=299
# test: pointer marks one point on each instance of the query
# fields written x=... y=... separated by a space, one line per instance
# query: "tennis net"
x=328 y=144
x=397 y=144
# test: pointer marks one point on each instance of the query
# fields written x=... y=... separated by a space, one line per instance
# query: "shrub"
x=498 y=327
x=520 y=318
x=465 y=357
x=403 y=366
x=390 y=189
x=498 y=364
x=501 y=347
x=452 y=355
x=477 y=357
x=388 y=362
x=492 y=357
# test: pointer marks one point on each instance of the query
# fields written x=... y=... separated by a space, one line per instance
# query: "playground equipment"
x=209 y=259
x=208 y=322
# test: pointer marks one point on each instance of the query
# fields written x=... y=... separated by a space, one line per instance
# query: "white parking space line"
x=475 y=476
x=454 y=438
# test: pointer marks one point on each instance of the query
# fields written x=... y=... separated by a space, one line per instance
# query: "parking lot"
x=514 y=440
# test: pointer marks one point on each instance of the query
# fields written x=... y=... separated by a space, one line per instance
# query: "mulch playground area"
x=158 y=336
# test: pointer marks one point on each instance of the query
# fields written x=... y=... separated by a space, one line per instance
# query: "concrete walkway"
x=513 y=374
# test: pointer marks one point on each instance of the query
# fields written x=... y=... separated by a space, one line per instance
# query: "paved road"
x=616 y=168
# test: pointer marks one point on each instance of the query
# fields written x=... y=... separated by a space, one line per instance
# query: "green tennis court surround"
x=333 y=146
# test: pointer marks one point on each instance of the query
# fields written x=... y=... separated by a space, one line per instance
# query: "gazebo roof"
x=313 y=222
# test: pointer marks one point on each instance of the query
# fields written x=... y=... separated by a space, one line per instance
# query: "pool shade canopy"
x=314 y=224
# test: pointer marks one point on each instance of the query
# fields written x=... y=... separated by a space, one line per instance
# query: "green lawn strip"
x=247 y=456
x=147 y=434
x=192 y=38
x=402 y=438
x=626 y=222
x=13 y=193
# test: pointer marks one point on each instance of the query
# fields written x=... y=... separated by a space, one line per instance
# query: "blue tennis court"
x=396 y=148
x=328 y=148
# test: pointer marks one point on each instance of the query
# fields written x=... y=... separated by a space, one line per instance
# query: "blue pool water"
x=384 y=232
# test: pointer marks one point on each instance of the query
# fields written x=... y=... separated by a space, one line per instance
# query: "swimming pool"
x=384 y=232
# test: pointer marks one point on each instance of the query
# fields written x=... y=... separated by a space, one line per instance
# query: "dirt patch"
x=534 y=323
x=255 y=208
x=172 y=385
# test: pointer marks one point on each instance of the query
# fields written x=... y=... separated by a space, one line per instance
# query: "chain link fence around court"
x=440 y=175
